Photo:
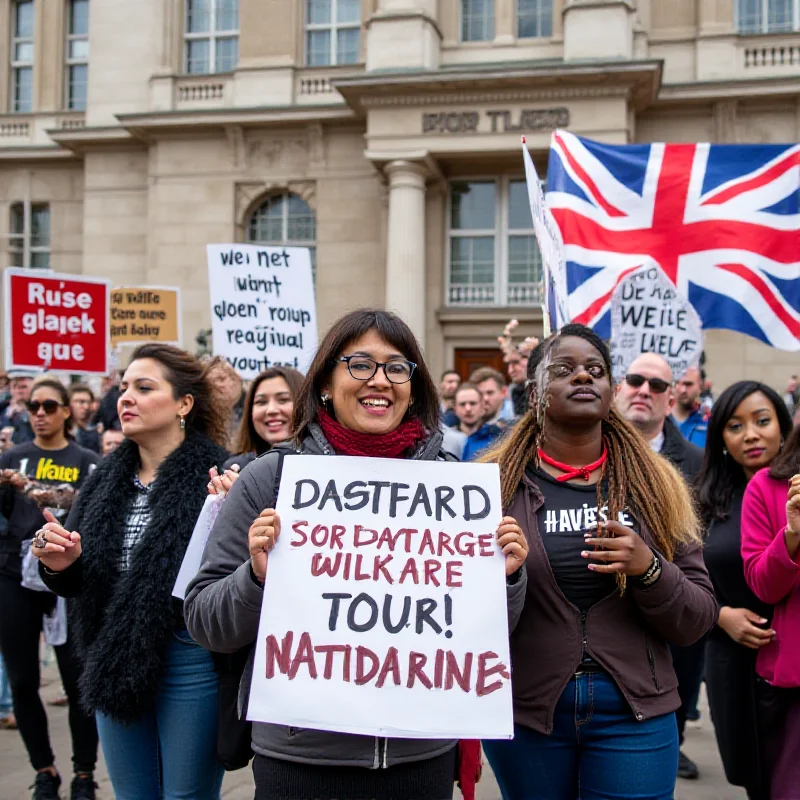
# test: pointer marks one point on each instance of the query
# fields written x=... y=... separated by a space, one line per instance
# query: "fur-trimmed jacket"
x=121 y=623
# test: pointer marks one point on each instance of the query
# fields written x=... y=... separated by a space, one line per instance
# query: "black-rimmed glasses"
x=49 y=406
x=363 y=368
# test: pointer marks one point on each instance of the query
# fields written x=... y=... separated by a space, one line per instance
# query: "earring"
x=724 y=452
x=781 y=447
x=183 y=423
x=325 y=398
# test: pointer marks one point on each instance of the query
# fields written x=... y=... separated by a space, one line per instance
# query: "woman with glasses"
x=367 y=393
x=614 y=575
x=29 y=474
x=746 y=431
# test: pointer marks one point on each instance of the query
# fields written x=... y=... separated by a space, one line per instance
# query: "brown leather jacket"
x=628 y=636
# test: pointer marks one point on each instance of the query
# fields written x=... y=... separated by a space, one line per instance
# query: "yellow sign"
x=145 y=314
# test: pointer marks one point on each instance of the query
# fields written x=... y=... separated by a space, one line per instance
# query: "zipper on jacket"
x=376 y=761
x=584 y=638
x=652 y=661
x=385 y=763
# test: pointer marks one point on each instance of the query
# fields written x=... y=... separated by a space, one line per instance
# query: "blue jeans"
x=597 y=750
x=170 y=753
x=6 y=706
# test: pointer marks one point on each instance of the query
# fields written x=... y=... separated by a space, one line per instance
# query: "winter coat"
x=122 y=622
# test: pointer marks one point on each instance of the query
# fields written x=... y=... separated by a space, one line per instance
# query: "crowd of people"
x=651 y=538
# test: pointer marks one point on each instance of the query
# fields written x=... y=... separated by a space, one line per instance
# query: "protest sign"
x=551 y=247
x=145 y=314
x=193 y=556
x=263 y=312
x=384 y=609
x=56 y=322
x=649 y=315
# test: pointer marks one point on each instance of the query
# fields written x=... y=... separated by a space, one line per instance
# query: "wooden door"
x=468 y=359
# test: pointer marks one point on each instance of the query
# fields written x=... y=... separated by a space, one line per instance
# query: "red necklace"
x=571 y=472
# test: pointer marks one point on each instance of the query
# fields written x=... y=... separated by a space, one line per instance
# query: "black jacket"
x=122 y=622
x=687 y=457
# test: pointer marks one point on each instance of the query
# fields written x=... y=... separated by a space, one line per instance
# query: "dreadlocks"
x=633 y=475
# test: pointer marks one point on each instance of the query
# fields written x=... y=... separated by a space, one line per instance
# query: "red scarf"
x=386 y=445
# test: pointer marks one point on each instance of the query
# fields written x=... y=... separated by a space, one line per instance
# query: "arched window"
x=285 y=219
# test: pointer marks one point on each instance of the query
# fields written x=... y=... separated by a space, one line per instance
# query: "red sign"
x=56 y=322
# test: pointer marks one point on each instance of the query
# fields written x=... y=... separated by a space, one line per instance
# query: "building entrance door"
x=468 y=359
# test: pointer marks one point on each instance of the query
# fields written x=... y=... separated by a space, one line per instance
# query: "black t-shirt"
x=723 y=556
x=70 y=465
x=570 y=510
x=88 y=438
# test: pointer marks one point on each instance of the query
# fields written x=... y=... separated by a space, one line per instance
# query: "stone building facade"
x=382 y=133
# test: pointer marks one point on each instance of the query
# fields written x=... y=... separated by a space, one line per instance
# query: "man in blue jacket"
x=471 y=413
x=687 y=413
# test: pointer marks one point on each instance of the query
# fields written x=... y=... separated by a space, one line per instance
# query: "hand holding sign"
x=264 y=533
x=513 y=543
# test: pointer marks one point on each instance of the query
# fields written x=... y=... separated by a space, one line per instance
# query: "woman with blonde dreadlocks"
x=614 y=574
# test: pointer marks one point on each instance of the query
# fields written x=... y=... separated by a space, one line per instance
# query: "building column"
x=405 y=245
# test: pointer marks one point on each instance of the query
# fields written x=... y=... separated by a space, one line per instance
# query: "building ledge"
x=36 y=153
x=640 y=80
x=148 y=124
x=82 y=139
x=723 y=89
x=488 y=313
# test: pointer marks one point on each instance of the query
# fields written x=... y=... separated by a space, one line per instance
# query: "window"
x=77 y=54
x=22 y=57
x=212 y=36
x=285 y=219
x=29 y=237
x=333 y=32
x=477 y=20
x=494 y=257
x=767 y=16
x=534 y=18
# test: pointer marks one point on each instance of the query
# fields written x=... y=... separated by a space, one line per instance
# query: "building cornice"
x=152 y=124
x=80 y=140
x=551 y=80
x=36 y=153
x=712 y=91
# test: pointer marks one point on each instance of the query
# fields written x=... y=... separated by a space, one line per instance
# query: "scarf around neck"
x=387 y=445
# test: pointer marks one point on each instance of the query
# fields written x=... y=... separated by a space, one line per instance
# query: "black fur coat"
x=121 y=623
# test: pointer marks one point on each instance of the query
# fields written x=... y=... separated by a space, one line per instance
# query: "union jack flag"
x=722 y=222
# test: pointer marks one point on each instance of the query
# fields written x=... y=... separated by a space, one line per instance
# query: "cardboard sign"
x=551 y=247
x=56 y=322
x=263 y=312
x=145 y=314
x=649 y=315
x=384 y=607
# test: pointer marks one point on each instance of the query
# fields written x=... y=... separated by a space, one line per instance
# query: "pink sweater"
x=773 y=575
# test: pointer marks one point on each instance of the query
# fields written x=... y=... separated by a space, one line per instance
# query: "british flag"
x=722 y=222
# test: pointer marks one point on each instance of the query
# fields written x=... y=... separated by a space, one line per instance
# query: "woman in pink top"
x=771 y=554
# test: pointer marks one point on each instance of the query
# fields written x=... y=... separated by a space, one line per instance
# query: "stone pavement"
x=16 y=775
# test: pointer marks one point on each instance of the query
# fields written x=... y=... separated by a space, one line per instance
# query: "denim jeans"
x=6 y=706
x=170 y=753
x=597 y=750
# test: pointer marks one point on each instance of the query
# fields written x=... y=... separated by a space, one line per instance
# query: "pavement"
x=16 y=774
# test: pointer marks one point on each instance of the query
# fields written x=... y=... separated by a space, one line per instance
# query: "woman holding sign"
x=153 y=689
x=747 y=429
x=368 y=393
x=614 y=575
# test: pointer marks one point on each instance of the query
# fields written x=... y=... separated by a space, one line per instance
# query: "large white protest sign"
x=263 y=312
x=649 y=315
x=193 y=556
x=551 y=247
x=384 y=608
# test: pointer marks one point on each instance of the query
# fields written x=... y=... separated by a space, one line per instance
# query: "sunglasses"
x=657 y=385
x=49 y=406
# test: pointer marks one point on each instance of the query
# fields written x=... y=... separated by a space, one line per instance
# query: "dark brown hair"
x=187 y=375
x=247 y=438
x=344 y=332
x=63 y=396
x=80 y=388
x=787 y=463
x=486 y=374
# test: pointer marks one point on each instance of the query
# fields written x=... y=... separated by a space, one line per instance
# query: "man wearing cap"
x=16 y=414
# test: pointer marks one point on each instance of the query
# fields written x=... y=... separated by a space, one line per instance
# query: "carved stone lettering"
x=495 y=121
